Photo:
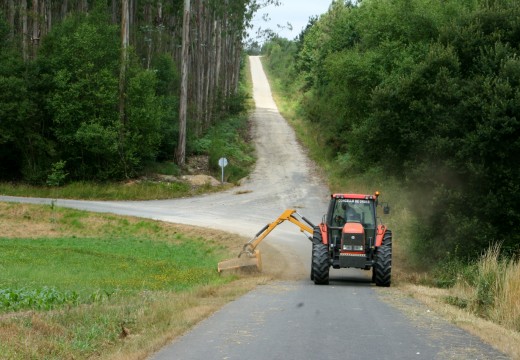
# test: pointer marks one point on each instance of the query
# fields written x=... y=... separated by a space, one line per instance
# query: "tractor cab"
x=351 y=223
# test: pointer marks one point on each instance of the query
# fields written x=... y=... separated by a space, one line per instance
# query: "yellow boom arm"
x=288 y=215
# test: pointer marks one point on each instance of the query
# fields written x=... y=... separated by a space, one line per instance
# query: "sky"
x=296 y=12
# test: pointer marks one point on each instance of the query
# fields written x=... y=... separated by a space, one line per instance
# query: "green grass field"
x=80 y=285
x=110 y=264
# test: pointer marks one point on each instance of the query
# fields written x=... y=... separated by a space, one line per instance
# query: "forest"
x=425 y=92
x=91 y=89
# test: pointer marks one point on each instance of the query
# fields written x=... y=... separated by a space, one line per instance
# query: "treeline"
x=83 y=97
x=426 y=92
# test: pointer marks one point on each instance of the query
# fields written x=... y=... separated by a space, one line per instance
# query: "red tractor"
x=350 y=237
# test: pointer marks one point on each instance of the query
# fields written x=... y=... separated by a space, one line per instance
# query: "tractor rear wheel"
x=382 y=271
x=320 y=264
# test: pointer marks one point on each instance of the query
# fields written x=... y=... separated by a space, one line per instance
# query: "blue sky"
x=296 y=12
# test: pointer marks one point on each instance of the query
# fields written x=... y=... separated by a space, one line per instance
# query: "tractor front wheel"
x=312 y=261
x=320 y=264
x=382 y=271
x=316 y=239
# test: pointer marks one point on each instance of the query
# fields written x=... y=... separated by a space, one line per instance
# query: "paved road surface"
x=293 y=320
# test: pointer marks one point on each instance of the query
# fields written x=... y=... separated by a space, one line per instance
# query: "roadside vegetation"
x=72 y=111
x=131 y=190
x=488 y=287
x=419 y=101
x=229 y=137
x=82 y=285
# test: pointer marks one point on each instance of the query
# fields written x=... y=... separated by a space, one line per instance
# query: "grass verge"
x=80 y=285
x=130 y=190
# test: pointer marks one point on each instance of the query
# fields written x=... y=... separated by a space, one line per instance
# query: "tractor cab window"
x=353 y=210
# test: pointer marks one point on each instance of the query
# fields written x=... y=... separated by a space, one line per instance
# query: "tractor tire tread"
x=320 y=264
x=383 y=264
x=316 y=239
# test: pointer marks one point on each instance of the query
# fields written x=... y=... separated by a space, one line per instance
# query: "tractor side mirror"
x=386 y=209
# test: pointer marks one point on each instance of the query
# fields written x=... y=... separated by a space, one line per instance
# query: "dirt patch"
x=280 y=265
x=196 y=172
x=200 y=180
x=198 y=164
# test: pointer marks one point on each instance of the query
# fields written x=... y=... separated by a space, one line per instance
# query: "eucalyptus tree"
x=125 y=36
x=180 y=155
x=65 y=89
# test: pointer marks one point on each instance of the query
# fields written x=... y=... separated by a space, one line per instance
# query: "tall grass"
x=490 y=288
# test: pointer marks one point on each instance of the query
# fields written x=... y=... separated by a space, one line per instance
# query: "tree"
x=181 y=147
x=81 y=84
x=125 y=34
x=428 y=93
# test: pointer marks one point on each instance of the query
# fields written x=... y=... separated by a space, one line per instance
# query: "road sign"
x=222 y=163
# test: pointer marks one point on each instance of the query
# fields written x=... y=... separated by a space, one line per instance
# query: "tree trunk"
x=125 y=30
x=160 y=26
x=211 y=81
x=83 y=6
x=208 y=73
x=114 y=11
x=64 y=8
x=124 y=59
x=218 y=61
x=35 y=37
x=200 y=67
x=48 y=16
x=181 y=146
x=11 y=18
x=24 y=30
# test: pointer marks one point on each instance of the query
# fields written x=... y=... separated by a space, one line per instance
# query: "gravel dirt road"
x=293 y=318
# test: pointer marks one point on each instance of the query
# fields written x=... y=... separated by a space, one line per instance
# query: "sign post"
x=222 y=163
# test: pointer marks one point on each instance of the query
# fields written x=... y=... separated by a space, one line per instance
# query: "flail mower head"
x=247 y=262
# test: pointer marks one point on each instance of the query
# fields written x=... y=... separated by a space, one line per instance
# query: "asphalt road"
x=349 y=319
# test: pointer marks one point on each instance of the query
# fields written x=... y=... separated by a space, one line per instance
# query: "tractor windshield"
x=354 y=210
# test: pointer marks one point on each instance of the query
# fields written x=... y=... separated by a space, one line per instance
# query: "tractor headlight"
x=353 y=247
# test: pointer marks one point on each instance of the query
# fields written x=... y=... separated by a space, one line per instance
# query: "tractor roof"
x=355 y=196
